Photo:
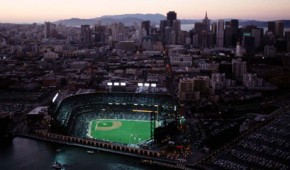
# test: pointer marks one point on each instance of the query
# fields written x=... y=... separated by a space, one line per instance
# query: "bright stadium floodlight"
x=117 y=103
x=109 y=83
x=110 y=103
x=146 y=84
x=103 y=109
x=116 y=84
x=54 y=98
x=140 y=84
x=153 y=85
x=124 y=103
x=156 y=105
x=135 y=104
x=123 y=84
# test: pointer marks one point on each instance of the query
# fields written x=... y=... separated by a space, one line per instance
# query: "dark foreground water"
x=28 y=154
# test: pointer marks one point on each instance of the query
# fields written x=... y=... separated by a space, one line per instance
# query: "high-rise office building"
x=171 y=16
x=272 y=26
x=176 y=27
x=220 y=34
x=228 y=41
x=118 y=31
x=248 y=41
x=46 y=30
x=214 y=28
x=235 y=24
x=235 y=27
x=86 y=34
x=287 y=38
x=168 y=35
x=279 y=29
x=145 y=28
x=100 y=34
x=206 y=23
x=49 y=30
x=204 y=39
x=257 y=33
x=198 y=29
x=214 y=32
x=162 y=26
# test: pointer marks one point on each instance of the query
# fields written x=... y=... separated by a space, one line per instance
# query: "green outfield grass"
x=123 y=131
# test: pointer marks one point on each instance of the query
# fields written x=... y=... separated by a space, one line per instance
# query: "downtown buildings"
x=217 y=62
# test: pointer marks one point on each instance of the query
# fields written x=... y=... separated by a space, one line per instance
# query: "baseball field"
x=122 y=131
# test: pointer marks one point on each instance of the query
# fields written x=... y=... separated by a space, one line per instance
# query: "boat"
x=57 y=165
x=90 y=152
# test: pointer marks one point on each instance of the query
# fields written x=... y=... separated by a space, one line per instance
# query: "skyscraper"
x=271 y=26
x=257 y=33
x=235 y=27
x=228 y=41
x=287 y=38
x=279 y=29
x=220 y=33
x=86 y=34
x=145 y=28
x=176 y=28
x=171 y=16
x=162 y=26
x=206 y=23
x=118 y=31
x=214 y=32
x=48 y=29
x=100 y=36
x=235 y=24
x=176 y=25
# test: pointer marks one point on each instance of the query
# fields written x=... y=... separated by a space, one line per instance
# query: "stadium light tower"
x=116 y=84
x=146 y=86
x=110 y=84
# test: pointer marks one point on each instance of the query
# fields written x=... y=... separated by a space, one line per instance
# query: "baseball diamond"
x=124 y=131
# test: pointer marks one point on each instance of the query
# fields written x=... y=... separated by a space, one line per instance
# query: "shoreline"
x=156 y=161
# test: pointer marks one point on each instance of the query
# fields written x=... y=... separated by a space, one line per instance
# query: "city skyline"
x=29 y=11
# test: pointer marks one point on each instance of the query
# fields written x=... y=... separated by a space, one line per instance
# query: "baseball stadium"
x=125 y=118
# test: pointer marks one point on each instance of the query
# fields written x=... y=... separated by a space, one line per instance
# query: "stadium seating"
x=76 y=111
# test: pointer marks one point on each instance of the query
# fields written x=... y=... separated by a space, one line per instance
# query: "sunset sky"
x=28 y=11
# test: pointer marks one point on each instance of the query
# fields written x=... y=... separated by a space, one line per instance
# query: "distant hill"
x=261 y=23
x=129 y=19
x=152 y=17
